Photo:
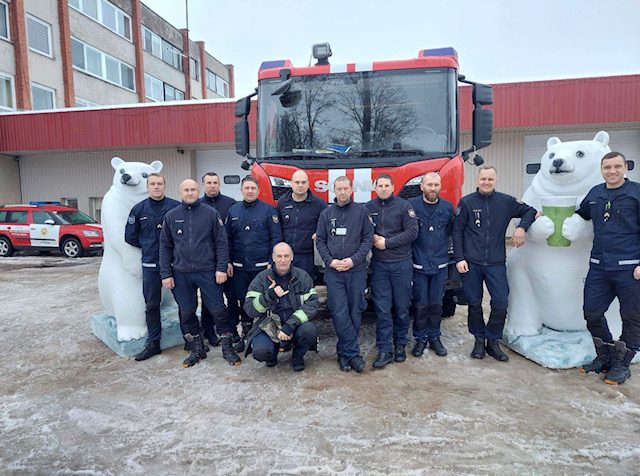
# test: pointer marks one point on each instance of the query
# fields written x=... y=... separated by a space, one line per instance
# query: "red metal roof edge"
x=607 y=99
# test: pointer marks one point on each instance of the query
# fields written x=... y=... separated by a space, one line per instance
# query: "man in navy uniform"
x=479 y=228
x=614 y=267
x=282 y=300
x=253 y=229
x=344 y=238
x=143 y=231
x=222 y=203
x=298 y=212
x=394 y=228
x=194 y=254
x=430 y=263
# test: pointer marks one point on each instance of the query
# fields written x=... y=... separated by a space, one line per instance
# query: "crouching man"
x=281 y=300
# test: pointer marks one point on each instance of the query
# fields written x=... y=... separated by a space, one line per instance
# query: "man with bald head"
x=194 y=254
x=299 y=211
x=281 y=300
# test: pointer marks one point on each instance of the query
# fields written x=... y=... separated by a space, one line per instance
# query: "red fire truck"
x=360 y=120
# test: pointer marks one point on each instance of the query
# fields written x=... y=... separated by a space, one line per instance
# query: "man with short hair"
x=394 y=228
x=282 y=300
x=479 y=228
x=298 y=212
x=143 y=231
x=344 y=238
x=430 y=263
x=614 y=267
x=222 y=204
x=194 y=254
x=253 y=229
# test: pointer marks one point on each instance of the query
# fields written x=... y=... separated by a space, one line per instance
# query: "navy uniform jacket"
x=144 y=226
x=299 y=220
x=615 y=214
x=222 y=203
x=344 y=232
x=481 y=223
x=395 y=220
x=193 y=239
x=253 y=229
x=431 y=248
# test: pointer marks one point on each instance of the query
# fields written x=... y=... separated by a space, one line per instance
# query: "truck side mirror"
x=482 y=127
x=243 y=107
x=482 y=94
x=241 y=129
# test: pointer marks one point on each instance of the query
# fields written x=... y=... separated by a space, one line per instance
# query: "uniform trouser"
x=346 y=301
x=391 y=291
x=600 y=288
x=232 y=311
x=186 y=294
x=305 y=261
x=495 y=276
x=152 y=292
x=241 y=281
x=428 y=291
x=304 y=338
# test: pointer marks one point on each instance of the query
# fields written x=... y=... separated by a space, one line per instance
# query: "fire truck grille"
x=409 y=191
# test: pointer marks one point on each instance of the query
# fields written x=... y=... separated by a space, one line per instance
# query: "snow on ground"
x=68 y=405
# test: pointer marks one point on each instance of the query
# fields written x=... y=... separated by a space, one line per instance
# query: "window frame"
x=85 y=102
x=214 y=78
x=12 y=87
x=6 y=19
x=43 y=88
x=103 y=63
x=99 y=19
x=194 y=65
x=164 y=45
x=49 y=37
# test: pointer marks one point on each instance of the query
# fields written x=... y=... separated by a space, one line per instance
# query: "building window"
x=194 y=69
x=42 y=97
x=80 y=102
x=216 y=84
x=7 y=93
x=105 y=13
x=70 y=202
x=157 y=91
x=172 y=94
x=39 y=33
x=162 y=49
x=4 y=20
x=92 y=61
x=95 y=205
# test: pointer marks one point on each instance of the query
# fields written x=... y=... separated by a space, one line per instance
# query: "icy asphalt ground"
x=68 y=405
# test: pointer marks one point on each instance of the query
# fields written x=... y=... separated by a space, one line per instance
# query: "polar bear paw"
x=541 y=229
x=574 y=227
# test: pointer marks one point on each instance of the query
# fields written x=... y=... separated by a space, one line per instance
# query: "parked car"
x=46 y=228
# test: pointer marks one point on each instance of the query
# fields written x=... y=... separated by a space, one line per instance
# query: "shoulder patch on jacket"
x=412 y=213
x=131 y=220
x=458 y=210
x=220 y=222
x=275 y=218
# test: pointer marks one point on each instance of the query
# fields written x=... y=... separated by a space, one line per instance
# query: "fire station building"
x=65 y=154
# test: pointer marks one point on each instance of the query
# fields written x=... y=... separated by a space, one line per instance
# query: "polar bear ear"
x=116 y=162
x=553 y=141
x=602 y=137
x=156 y=165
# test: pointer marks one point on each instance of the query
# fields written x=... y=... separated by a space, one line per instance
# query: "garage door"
x=226 y=163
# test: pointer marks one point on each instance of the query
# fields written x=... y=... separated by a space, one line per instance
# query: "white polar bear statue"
x=546 y=282
x=120 y=277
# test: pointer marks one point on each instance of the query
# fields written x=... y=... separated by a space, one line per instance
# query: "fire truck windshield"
x=374 y=114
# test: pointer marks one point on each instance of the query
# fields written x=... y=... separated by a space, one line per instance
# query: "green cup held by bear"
x=558 y=209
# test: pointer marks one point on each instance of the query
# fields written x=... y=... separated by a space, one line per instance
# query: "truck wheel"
x=72 y=248
x=5 y=247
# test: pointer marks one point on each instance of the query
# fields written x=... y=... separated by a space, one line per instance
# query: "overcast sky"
x=497 y=41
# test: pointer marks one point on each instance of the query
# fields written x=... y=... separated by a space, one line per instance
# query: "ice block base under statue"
x=556 y=350
x=103 y=327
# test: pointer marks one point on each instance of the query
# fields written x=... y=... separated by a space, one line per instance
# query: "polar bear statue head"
x=131 y=177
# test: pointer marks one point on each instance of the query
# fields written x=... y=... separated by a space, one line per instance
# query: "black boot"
x=213 y=339
x=620 y=372
x=383 y=359
x=197 y=350
x=494 y=350
x=357 y=363
x=228 y=353
x=605 y=353
x=478 y=349
x=343 y=363
x=297 y=360
x=418 y=348
x=151 y=349
x=400 y=353
x=436 y=345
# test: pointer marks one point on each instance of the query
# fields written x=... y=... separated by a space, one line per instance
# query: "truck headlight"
x=280 y=182
x=414 y=181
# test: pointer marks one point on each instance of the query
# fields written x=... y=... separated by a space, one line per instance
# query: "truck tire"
x=72 y=248
x=6 y=249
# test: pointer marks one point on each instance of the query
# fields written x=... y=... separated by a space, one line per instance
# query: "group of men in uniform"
x=261 y=259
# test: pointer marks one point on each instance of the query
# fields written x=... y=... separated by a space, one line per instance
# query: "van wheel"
x=72 y=248
x=5 y=247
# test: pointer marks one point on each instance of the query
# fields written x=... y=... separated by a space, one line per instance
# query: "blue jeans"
x=306 y=262
x=152 y=292
x=495 y=276
x=346 y=301
x=304 y=338
x=428 y=291
x=185 y=292
x=241 y=281
x=391 y=291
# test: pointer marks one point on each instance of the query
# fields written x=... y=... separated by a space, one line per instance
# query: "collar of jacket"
x=386 y=200
x=250 y=204
x=289 y=197
x=289 y=275
x=335 y=201
x=485 y=194
x=189 y=206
